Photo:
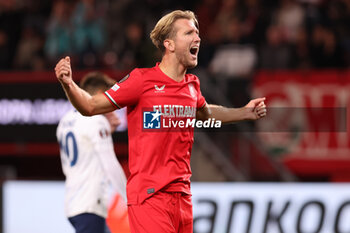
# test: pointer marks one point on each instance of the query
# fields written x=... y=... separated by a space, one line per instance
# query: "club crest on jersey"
x=192 y=90
x=151 y=120
x=159 y=89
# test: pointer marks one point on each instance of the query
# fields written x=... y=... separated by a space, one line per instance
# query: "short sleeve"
x=127 y=91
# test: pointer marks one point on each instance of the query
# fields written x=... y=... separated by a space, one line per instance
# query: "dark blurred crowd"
x=238 y=36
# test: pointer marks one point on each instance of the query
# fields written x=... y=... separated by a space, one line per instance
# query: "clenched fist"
x=63 y=71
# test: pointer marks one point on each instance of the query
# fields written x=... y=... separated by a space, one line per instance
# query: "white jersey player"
x=89 y=163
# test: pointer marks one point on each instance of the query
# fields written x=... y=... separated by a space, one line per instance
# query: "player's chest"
x=158 y=93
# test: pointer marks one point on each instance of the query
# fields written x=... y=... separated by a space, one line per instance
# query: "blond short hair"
x=164 y=29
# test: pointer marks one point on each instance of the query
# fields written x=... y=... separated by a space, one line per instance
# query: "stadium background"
x=294 y=52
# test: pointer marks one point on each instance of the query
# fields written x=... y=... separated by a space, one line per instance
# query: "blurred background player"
x=93 y=173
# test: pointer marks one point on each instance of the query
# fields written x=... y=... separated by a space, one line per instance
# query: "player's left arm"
x=254 y=110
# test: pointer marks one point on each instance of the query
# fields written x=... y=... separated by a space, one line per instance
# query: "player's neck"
x=172 y=69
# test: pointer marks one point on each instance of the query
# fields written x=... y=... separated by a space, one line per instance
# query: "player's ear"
x=169 y=45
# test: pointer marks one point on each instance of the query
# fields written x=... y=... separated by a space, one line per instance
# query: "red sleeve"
x=200 y=99
x=127 y=91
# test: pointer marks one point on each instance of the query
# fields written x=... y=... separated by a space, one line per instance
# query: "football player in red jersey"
x=158 y=189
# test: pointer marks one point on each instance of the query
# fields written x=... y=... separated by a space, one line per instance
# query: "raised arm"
x=86 y=104
x=254 y=110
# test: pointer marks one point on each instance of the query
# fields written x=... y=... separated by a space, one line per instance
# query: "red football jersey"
x=160 y=134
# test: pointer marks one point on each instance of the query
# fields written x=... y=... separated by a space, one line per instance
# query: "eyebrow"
x=192 y=30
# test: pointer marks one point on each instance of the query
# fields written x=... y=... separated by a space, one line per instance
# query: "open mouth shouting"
x=194 y=51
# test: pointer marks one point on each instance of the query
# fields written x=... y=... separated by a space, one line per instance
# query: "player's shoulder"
x=74 y=115
x=68 y=120
x=92 y=124
x=95 y=119
x=192 y=78
x=138 y=74
x=143 y=71
x=68 y=115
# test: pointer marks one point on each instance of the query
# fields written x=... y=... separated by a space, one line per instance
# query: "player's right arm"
x=86 y=104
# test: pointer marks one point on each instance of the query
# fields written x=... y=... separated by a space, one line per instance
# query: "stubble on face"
x=186 y=43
